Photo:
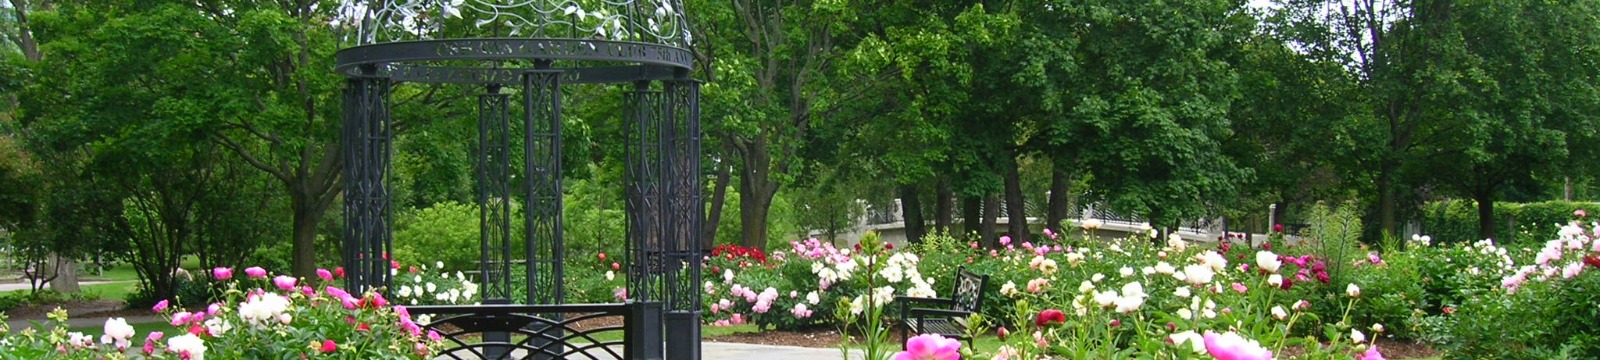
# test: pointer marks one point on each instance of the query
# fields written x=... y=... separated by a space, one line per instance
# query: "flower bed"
x=259 y=315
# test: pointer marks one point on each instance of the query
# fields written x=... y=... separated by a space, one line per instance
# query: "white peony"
x=1266 y=260
x=189 y=344
x=117 y=331
x=1213 y=260
x=1198 y=274
x=1196 y=342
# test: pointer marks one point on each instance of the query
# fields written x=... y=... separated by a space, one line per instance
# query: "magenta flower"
x=325 y=275
x=1050 y=317
x=329 y=346
x=255 y=272
x=284 y=282
x=1231 y=346
x=930 y=347
x=1372 y=352
x=160 y=306
x=1005 y=240
x=222 y=273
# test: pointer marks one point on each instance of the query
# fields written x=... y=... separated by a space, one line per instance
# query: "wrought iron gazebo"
x=529 y=50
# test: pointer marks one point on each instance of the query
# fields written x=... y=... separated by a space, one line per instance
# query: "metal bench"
x=945 y=317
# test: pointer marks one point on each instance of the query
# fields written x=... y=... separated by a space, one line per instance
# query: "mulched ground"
x=815 y=338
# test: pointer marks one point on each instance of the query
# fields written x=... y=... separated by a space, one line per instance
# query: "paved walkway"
x=731 y=351
x=10 y=286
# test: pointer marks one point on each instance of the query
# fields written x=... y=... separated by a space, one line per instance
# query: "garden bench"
x=945 y=317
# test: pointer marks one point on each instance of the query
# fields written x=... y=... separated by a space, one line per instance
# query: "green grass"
x=140 y=330
x=111 y=291
x=121 y=272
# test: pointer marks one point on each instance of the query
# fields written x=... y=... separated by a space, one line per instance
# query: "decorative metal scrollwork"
x=651 y=21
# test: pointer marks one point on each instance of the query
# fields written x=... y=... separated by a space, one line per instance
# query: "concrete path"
x=732 y=351
x=11 y=286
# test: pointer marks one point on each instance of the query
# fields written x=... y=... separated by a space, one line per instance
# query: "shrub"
x=1545 y=308
x=420 y=285
x=447 y=232
x=288 y=321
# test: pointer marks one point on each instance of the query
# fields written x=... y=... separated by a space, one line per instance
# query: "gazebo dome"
x=647 y=21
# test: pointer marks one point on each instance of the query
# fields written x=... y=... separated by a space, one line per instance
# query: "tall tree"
x=1529 y=75
x=777 y=54
x=1143 y=101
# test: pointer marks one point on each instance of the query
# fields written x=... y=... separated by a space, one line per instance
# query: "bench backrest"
x=968 y=293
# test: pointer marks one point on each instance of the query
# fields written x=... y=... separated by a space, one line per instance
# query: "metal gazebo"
x=521 y=53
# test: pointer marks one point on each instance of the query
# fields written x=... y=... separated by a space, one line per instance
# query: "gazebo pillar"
x=367 y=138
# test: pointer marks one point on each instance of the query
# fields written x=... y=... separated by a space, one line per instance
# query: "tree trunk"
x=911 y=212
x=306 y=216
x=943 y=205
x=756 y=189
x=1016 y=209
x=1386 y=201
x=719 y=196
x=1059 y=186
x=972 y=216
x=24 y=35
x=1486 y=223
x=65 y=274
x=755 y=199
x=991 y=215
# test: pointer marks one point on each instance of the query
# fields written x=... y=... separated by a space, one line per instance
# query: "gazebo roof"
x=659 y=22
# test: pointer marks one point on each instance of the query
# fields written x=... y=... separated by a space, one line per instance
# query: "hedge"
x=1457 y=220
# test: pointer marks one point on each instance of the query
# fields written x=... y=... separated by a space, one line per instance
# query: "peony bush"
x=259 y=314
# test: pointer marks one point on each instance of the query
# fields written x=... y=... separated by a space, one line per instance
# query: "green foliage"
x=594 y=217
x=1541 y=320
x=446 y=231
x=14 y=299
x=1457 y=220
x=1334 y=234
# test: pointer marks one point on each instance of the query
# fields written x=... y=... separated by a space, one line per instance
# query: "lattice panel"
x=494 y=193
x=642 y=130
x=682 y=218
x=367 y=137
x=542 y=189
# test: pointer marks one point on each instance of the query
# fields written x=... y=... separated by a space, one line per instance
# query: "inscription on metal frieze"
x=607 y=50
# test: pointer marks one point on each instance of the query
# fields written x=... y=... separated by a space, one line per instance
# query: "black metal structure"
x=530 y=50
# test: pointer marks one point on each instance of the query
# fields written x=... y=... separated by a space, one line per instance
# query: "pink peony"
x=1231 y=346
x=1579 y=213
x=329 y=346
x=284 y=282
x=222 y=273
x=255 y=272
x=930 y=347
x=1005 y=240
x=1371 y=354
x=325 y=275
x=160 y=306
